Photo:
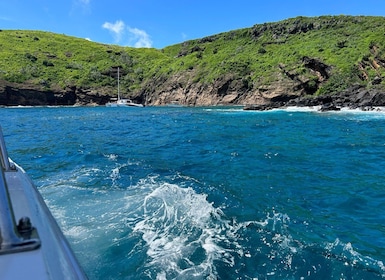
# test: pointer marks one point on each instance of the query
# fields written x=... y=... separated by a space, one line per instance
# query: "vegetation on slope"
x=51 y=60
x=352 y=49
x=348 y=44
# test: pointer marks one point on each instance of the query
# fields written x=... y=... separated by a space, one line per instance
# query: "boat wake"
x=186 y=237
x=159 y=229
x=183 y=233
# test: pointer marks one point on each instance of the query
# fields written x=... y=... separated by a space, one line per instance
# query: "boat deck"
x=34 y=247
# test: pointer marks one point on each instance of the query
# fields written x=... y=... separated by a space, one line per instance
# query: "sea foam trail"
x=181 y=230
x=155 y=229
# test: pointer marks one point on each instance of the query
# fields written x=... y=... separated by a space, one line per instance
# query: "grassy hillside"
x=351 y=47
x=49 y=59
x=348 y=44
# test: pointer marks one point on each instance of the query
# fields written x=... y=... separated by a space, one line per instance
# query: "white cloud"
x=141 y=38
x=117 y=29
x=136 y=37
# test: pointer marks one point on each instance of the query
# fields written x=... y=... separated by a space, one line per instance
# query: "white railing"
x=13 y=238
x=3 y=153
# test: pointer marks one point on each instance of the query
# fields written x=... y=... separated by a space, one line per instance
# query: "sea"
x=210 y=192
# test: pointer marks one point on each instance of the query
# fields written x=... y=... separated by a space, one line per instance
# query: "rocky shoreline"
x=356 y=97
x=13 y=94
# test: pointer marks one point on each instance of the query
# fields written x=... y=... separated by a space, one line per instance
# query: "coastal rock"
x=258 y=107
x=181 y=89
x=355 y=97
x=321 y=69
x=12 y=94
x=32 y=95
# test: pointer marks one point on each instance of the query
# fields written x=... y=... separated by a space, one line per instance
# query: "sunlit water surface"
x=210 y=193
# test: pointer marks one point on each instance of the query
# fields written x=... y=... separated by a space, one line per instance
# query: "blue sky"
x=160 y=23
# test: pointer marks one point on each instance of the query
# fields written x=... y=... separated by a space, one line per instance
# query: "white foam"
x=181 y=226
x=175 y=229
x=115 y=174
x=112 y=157
x=346 y=252
x=77 y=232
x=299 y=109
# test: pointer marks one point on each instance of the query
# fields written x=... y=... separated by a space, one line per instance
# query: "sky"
x=161 y=23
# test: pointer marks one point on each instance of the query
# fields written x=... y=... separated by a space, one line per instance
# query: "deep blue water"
x=210 y=193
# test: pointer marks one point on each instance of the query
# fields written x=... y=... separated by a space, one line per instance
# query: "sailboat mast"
x=118 y=86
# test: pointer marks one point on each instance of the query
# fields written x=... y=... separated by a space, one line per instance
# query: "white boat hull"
x=123 y=103
x=50 y=256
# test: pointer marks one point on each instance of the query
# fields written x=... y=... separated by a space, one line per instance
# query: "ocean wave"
x=181 y=230
x=168 y=230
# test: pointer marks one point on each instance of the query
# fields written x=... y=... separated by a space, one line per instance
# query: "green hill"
x=294 y=57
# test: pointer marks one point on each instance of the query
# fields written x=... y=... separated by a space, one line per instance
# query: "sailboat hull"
x=120 y=102
x=123 y=103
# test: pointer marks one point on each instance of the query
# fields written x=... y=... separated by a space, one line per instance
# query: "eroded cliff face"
x=15 y=94
x=230 y=90
x=181 y=88
x=287 y=87
x=224 y=91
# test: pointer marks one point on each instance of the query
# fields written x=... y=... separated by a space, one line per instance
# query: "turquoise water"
x=210 y=193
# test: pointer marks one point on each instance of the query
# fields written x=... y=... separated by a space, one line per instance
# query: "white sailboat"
x=122 y=102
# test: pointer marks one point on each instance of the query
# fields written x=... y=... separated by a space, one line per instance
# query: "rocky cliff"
x=325 y=60
x=288 y=90
x=24 y=94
